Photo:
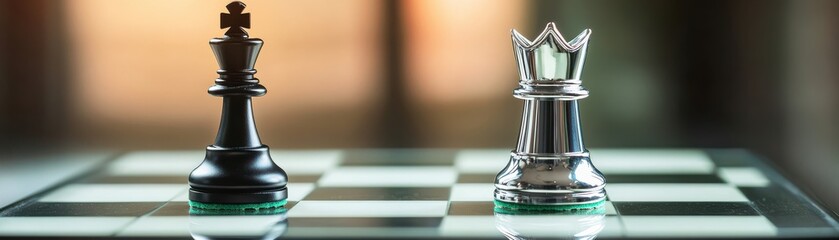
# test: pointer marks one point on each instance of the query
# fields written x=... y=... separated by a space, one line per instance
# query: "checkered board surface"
x=429 y=193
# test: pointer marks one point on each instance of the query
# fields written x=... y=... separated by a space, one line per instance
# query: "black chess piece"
x=237 y=168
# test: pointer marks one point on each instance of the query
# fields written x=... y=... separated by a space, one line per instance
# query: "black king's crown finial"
x=236 y=20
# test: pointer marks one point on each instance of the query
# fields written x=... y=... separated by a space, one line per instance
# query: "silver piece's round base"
x=550 y=179
x=549 y=198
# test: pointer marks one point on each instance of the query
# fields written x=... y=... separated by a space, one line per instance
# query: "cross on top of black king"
x=236 y=20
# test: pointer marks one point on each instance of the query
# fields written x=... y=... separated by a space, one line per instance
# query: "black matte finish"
x=425 y=225
x=685 y=209
x=784 y=210
x=664 y=178
x=84 y=209
x=379 y=194
x=237 y=168
x=472 y=208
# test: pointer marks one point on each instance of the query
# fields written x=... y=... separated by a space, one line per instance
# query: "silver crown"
x=550 y=66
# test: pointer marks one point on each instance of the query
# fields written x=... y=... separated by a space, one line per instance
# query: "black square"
x=366 y=222
x=136 y=179
x=471 y=209
x=303 y=178
x=731 y=157
x=79 y=209
x=399 y=157
x=663 y=178
x=476 y=178
x=784 y=208
x=685 y=208
x=173 y=209
x=379 y=193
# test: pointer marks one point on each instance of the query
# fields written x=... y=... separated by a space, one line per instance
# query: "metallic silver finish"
x=550 y=165
x=549 y=66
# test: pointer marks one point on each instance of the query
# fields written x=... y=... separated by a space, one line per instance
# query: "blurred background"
x=760 y=75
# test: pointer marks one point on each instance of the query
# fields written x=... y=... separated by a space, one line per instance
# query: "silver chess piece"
x=550 y=165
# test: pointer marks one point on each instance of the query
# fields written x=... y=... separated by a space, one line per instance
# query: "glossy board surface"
x=428 y=193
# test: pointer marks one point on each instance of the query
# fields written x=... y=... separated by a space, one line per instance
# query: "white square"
x=670 y=192
x=183 y=197
x=241 y=226
x=369 y=209
x=472 y=192
x=610 y=208
x=489 y=161
x=305 y=161
x=156 y=163
x=743 y=176
x=24 y=177
x=412 y=176
x=614 y=227
x=296 y=192
x=649 y=161
x=62 y=226
x=173 y=226
x=115 y=193
x=698 y=226
x=566 y=226
x=469 y=226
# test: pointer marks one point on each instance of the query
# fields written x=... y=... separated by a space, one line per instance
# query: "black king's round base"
x=237 y=176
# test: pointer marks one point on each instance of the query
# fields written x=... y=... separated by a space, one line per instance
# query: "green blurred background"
x=760 y=75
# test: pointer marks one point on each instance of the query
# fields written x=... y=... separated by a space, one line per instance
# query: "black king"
x=550 y=165
x=237 y=168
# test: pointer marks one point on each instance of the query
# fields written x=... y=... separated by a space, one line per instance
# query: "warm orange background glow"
x=454 y=46
x=460 y=70
x=145 y=65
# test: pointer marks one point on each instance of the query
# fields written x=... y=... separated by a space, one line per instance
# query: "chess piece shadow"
x=218 y=226
x=564 y=225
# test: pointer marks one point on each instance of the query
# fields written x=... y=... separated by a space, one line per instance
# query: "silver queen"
x=550 y=165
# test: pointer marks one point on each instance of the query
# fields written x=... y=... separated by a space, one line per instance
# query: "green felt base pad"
x=234 y=206
x=506 y=207
x=220 y=212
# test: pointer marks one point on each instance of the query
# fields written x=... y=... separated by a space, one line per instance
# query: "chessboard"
x=428 y=193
